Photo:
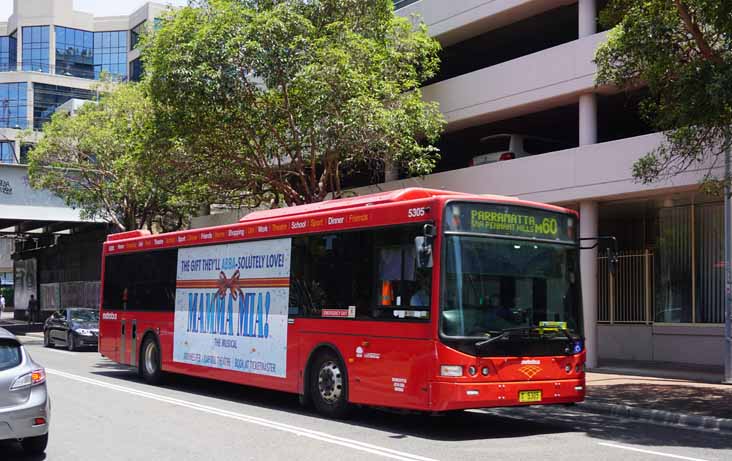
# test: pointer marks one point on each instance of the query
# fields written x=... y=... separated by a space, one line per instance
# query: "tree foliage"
x=682 y=50
x=98 y=161
x=277 y=100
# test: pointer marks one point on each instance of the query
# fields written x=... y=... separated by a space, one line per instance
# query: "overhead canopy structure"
x=24 y=210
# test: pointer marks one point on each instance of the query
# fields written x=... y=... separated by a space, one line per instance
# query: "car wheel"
x=150 y=367
x=70 y=342
x=47 y=339
x=329 y=386
x=35 y=445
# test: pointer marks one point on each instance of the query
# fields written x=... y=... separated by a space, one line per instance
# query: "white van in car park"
x=499 y=147
x=25 y=409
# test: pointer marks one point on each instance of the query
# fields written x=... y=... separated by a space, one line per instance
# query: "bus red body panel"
x=393 y=358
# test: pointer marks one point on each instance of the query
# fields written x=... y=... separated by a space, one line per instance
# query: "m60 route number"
x=416 y=212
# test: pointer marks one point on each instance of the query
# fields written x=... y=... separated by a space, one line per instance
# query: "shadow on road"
x=10 y=450
x=503 y=423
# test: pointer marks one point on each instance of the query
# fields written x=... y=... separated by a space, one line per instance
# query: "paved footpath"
x=687 y=398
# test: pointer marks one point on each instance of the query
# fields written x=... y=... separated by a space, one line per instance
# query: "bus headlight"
x=451 y=370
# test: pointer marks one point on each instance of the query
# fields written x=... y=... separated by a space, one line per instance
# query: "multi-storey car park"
x=514 y=70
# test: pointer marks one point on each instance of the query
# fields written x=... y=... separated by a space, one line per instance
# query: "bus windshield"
x=492 y=284
x=509 y=269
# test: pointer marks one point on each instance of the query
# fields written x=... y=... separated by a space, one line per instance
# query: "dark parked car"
x=25 y=409
x=73 y=327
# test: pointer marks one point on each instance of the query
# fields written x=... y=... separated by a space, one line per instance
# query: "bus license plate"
x=529 y=396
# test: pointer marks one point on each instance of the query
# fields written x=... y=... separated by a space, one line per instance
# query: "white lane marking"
x=650 y=452
x=59 y=351
x=322 y=436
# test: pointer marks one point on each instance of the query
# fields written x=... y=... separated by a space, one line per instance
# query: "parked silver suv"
x=25 y=409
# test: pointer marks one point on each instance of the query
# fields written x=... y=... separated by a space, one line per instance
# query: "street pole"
x=727 y=266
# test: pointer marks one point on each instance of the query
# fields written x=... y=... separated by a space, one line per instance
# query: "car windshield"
x=84 y=315
x=9 y=354
x=494 y=284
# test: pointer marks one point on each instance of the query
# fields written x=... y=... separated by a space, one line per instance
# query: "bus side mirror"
x=423 y=246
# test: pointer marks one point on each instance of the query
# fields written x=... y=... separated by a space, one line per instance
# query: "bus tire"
x=329 y=385
x=150 y=367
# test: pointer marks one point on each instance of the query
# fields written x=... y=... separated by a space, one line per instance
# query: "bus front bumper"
x=446 y=396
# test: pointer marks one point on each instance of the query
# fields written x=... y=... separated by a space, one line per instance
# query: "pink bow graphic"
x=231 y=285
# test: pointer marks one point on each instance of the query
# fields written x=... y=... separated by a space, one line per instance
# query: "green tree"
x=277 y=100
x=682 y=50
x=97 y=161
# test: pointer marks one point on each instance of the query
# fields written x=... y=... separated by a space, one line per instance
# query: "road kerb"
x=711 y=423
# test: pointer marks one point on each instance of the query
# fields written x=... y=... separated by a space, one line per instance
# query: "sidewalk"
x=18 y=327
x=674 y=396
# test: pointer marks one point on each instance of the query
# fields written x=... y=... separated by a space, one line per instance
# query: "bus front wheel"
x=329 y=385
x=150 y=367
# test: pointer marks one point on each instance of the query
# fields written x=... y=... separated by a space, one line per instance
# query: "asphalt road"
x=101 y=411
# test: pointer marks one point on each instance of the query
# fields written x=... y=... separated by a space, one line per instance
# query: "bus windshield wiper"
x=507 y=332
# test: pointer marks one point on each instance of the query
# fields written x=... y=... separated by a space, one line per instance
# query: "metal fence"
x=627 y=295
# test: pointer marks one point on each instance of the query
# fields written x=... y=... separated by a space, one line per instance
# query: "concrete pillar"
x=19 y=49
x=589 y=219
x=587 y=18
x=52 y=49
x=587 y=119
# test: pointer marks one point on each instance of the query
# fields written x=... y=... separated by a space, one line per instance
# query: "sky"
x=96 y=7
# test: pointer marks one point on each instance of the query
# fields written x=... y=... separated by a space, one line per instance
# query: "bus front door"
x=128 y=343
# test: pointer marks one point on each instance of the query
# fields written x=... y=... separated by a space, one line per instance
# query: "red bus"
x=414 y=299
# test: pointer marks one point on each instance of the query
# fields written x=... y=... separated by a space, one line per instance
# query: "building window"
x=136 y=70
x=25 y=149
x=8 y=53
x=14 y=105
x=47 y=98
x=135 y=34
x=673 y=266
x=371 y=274
x=402 y=3
x=74 y=52
x=7 y=152
x=110 y=54
x=35 y=48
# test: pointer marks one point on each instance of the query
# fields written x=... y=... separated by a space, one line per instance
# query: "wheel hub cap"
x=330 y=382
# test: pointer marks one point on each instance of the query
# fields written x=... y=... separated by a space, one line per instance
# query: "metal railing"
x=627 y=295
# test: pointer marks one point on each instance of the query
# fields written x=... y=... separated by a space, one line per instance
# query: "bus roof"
x=270 y=223
x=401 y=195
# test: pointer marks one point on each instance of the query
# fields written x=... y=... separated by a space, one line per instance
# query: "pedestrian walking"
x=32 y=309
x=2 y=304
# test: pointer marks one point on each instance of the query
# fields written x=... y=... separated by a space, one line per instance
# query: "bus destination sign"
x=518 y=221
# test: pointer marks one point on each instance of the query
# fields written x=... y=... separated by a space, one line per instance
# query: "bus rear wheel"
x=329 y=385
x=150 y=367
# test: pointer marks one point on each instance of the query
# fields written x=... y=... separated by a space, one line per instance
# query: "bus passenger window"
x=403 y=288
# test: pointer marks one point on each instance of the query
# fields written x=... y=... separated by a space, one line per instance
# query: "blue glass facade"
x=74 y=52
x=136 y=70
x=135 y=34
x=80 y=53
x=110 y=54
x=8 y=53
x=7 y=152
x=36 y=48
x=13 y=105
x=47 y=98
